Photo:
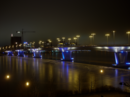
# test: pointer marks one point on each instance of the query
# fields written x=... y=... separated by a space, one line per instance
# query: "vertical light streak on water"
x=76 y=80
x=122 y=80
x=50 y=72
x=20 y=63
x=24 y=64
x=41 y=71
x=116 y=77
x=63 y=67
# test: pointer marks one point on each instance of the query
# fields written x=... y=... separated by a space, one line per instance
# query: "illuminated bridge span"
x=120 y=53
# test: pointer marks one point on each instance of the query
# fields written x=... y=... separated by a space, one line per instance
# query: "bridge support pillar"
x=67 y=56
x=120 y=57
x=10 y=53
x=20 y=53
x=37 y=54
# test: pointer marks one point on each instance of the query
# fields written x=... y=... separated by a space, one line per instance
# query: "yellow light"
x=27 y=83
x=69 y=38
x=93 y=34
x=90 y=36
x=63 y=37
x=107 y=34
x=7 y=76
x=101 y=71
x=57 y=38
x=114 y=31
x=75 y=38
x=128 y=32
x=77 y=35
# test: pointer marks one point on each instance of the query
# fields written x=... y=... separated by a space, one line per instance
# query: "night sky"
x=52 y=19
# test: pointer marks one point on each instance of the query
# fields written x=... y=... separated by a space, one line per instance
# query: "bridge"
x=119 y=53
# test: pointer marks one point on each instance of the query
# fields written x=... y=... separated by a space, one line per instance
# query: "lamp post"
x=107 y=35
x=77 y=38
x=63 y=38
x=93 y=36
x=49 y=40
x=58 y=39
x=69 y=40
x=128 y=35
x=114 y=36
x=90 y=38
x=40 y=43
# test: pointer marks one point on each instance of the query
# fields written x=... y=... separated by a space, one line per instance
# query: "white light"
x=27 y=83
x=106 y=48
x=7 y=76
x=18 y=31
x=115 y=49
x=62 y=50
x=128 y=47
x=122 y=48
x=99 y=47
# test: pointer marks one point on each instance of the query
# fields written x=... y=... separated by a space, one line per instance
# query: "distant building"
x=61 y=44
x=47 y=44
x=16 y=40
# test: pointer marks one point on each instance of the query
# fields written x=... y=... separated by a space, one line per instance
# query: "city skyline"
x=52 y=19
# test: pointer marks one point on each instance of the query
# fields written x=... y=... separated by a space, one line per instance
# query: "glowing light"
x=7 y=76
x=114 y=31
x=63 y=55
x=128 y=63
x=27 y=83
x=128 y=68
x=128 y=32
x=128 y=47
x=62 y=50
x=90 y=36
x=115 y=49
x=69 y=38
x=122 y=47
x=101 y=71
x=106 y=48
x=114 y=64
x=107 y=35
x=122 y=51
x=25 y=43
x=99 y=47
x=18 y=32
x=116 y=60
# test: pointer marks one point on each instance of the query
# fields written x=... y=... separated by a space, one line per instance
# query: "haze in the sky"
x=52 y=19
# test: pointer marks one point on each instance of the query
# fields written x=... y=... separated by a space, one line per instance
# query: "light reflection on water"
x=56 y=75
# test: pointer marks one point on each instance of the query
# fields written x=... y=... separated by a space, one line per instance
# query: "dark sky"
x=51 y=19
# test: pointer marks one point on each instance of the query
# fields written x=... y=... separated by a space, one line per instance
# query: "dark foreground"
x=32 y=77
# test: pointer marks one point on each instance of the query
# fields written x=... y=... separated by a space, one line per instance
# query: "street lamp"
x=114 y=36
x=69 y=40
x=63 y=38
x=22 y=32
x=58 y=39
x=77 y=38
x=93 y=36
x=128 y=35
x=90 y=38
x=107 y=35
